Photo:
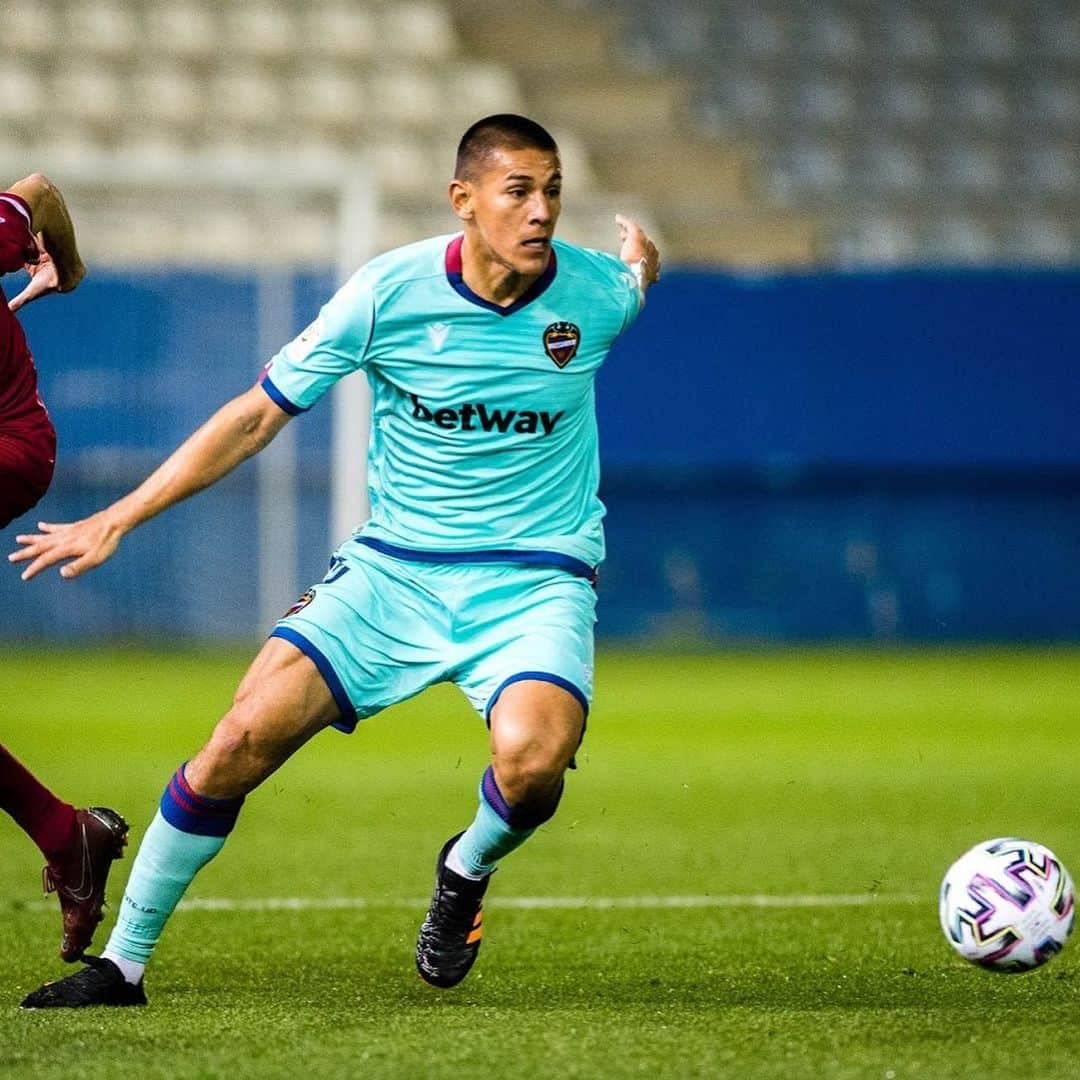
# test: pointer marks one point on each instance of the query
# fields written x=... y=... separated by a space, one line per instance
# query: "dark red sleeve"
x=16 y=240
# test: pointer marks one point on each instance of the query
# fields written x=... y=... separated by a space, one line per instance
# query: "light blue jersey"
x=483 y=442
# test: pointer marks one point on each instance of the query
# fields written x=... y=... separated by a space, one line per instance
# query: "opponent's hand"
x=88 y=543
x=44 y=277
x=638 y=251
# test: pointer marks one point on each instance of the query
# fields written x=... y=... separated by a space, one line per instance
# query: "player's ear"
x=461 y=199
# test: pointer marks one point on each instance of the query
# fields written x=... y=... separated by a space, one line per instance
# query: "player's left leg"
x=536 y=726
x=528 y=670
x=79 y=848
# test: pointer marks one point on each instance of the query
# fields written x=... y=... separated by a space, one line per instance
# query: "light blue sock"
x=167 y=861
x=497 y=829
x=187 y=832
x=486 y=841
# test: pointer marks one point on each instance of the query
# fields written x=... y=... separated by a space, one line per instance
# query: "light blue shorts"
x=381 y=629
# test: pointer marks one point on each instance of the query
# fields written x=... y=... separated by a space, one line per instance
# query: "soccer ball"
x=1007 y=905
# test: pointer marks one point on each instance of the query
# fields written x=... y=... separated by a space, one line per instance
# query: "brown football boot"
x=78 y=877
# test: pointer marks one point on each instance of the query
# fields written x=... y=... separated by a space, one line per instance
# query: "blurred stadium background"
x=851 y=411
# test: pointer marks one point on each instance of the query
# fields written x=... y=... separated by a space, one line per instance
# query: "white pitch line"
x=558 y=903
x=533 y=903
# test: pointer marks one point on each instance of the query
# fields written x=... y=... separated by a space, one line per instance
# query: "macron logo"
x=479 y=417
x=437 y=335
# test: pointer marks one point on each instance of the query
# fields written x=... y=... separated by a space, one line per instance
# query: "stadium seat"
x=407 y=95
x=101 y=27
x=90 y=91
x=829 y=34
x=823 y=101
x=889 y=169
x=262 y=30
x=883 y=238
x=341 y=30
x=1050 y=169
x=912 y=34
x=415 y=28
x=23 y=96
x=902 y=100
x=985 y=33
x=165 y=94
x=1056 y=30
x=405 y=168
x=329 y=96
x=475 y=89
x=245 y=93
x=1037 y=237
x=182 y=29
x=31 y=28
x=1050 y=102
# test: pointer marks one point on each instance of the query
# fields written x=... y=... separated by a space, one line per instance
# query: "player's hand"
x=88 y=543
x=17 y=247
x=44 y=277
x=638 y=251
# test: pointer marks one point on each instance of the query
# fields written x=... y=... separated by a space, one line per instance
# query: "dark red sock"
x=47 y=820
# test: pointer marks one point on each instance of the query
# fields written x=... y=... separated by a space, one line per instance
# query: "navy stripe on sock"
x=517 y=817
x=190 y=812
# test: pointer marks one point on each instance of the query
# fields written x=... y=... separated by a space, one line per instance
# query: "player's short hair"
x=503 y=131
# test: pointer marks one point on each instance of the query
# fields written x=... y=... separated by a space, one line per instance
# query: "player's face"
x=513 y=205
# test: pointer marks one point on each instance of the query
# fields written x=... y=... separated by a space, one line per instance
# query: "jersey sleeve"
x=17 y=245
x=632 y=295
x=333 y=346
x=624 y=287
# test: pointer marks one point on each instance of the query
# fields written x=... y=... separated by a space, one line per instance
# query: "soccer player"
x=79 y=846
x=476 y=565
x=27 y=437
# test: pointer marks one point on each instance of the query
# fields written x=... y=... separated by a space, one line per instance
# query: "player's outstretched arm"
x=236 y=431
x=638 y=252
x=59 y=268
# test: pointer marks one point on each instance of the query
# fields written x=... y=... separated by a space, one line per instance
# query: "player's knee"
x=233 y=762
x=530 y=772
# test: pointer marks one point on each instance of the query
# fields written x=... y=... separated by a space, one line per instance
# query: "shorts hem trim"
x=538 y=676
x=348 y=720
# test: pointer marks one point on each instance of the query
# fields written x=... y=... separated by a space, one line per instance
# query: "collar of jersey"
x=457 y=281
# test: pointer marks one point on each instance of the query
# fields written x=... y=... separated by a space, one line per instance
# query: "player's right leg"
x=282 y=702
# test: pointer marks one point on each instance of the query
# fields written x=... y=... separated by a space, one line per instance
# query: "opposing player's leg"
x=280 y=704
x=79 y=848
x=536 y=727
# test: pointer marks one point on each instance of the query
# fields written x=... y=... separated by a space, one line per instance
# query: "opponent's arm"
x=639 y=253
x=59 y=268
x=233 y=434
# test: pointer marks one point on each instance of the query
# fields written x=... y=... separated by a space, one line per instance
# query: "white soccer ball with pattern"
x=1007 y=905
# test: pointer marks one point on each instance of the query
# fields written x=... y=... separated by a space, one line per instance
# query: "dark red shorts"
x=27 y=459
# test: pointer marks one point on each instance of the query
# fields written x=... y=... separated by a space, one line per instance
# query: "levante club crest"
x=561 y=341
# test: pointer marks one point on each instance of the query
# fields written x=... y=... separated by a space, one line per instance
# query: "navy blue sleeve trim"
x=527 y=557
x=348 y=720
x=279 y=399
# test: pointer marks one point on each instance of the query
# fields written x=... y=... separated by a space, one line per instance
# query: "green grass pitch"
x=821 y=774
